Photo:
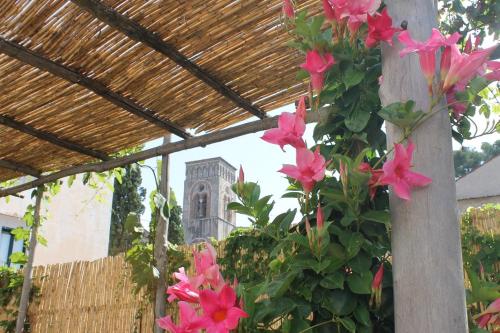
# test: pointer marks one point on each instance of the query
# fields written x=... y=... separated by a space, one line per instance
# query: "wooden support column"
x=427 y=263
x=161 y=237
x=25 y=291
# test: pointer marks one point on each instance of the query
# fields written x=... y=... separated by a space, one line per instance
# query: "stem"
x=317 y=325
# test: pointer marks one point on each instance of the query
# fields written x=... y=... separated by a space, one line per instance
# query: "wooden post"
x=25 y=291
x=429 y=291
x=161 y=236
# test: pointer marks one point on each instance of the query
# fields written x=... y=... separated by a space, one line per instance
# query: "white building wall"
x=77 y=225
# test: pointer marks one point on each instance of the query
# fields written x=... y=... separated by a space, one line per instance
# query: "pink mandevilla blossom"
x=288 y=9
x=329 y=11
x=426 y=50
x=317 y=64
x=358 y=11
x=186 y=289
x=207 y=268
x=320 y=218
x=494 y=71
x=398 y=174
x=377 y=286
x=374 y=182
x=220 y=313
x=490 y=316
x=188 y=321
x=380 y=29
x=310 y=168
x=462 y=67
x=291 y=127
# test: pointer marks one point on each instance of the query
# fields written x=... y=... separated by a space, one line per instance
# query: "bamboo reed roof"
x=75 y=88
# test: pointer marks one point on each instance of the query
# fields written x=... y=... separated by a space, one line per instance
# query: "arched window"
x=200 y=202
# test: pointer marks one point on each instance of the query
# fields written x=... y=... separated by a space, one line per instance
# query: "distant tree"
x=467 y=159
x=127 y=198
x=175 y=230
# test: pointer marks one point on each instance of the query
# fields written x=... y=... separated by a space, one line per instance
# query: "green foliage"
x=246 y=255
x=252 y=205
x=481 y=255
x=11 y=283
x=128 y=196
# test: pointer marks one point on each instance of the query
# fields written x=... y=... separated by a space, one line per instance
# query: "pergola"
x=81 y=80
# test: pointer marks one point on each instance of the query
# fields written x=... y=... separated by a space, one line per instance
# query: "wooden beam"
x=49 y=137
x=29 y=57
x=138 y=33
x=19 y=167
x=425 y=235
x=199 y=141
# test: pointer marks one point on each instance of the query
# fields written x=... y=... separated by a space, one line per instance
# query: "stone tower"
x=207 y=191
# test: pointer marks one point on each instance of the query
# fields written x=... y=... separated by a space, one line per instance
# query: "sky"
x=259 y=159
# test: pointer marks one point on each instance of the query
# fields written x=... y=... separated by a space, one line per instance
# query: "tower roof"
x=218 y=159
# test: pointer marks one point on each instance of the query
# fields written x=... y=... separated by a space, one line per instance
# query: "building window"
x=8 y=245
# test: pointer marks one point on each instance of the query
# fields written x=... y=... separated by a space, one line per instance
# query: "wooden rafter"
x=19 y=167
x=49 y=137
x=198 y=141
x=27 y=56
x=137 y=32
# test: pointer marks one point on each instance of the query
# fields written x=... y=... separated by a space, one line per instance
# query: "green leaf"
x=18 y=258
x=401 y=114
x=360 y=284
x=360 y=263
x=348 y=218
x=42 y=240
x=352 y=77
x=362 y=315
x=358 y=118
x=279 y=286
x=339 y=302
x=352 y=243
x=333 y=281
x=379 y=216
x=21 y=233
x=348 y=324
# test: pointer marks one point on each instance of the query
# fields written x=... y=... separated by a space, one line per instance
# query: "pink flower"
x=301 y=107
x=241 y=176
x=329 y=11
x=356 y=11
x=183 y=291
x=220 y=313
x=375 y=179
x=462 y=66
x=320 y=218
x=458 y=108
x=288 y=9
x=188 y=321
x=380 y=29
x=317 y=64
x=426 y=50
x=309 y=170
x=291 y=127
x=377 y=286
x=489 y=316
x=206 y=267
x=398 y=174
x=494 y=74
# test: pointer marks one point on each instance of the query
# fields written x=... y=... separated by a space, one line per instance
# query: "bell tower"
x=207 y=191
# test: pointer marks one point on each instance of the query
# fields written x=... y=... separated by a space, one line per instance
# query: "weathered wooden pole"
x=427 y=263
x=25 y=291
x=161 y=236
